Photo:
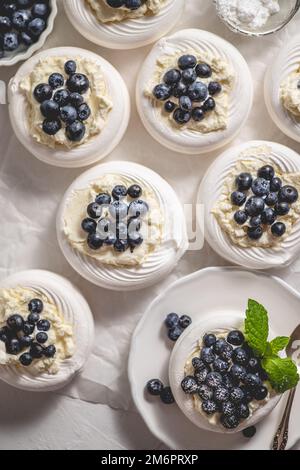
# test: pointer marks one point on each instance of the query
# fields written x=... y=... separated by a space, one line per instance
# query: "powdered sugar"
x=251 y=13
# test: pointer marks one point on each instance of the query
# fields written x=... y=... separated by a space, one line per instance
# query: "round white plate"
x=195 y=295
x=287 y=60
x=75 y=310
x=253 y=258
x=97 y=147
x=128 y=34
x=186 y=141
x=160 y=262
x=19 y=55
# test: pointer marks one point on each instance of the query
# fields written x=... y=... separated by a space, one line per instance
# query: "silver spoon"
x=282 y=434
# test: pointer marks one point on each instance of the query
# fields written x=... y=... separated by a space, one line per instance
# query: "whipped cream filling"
x=151 y=230
x=15 y=300
x=215 y=120
x=290 y=93
x=106 y=14
x=224 y=210
x=96 y=97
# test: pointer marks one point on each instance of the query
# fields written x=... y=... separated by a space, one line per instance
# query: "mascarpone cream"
x=105 y=14
x=290 y=93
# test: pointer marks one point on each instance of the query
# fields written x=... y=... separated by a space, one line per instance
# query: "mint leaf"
x=283 y=373
x=256 y=327
x=278 y=344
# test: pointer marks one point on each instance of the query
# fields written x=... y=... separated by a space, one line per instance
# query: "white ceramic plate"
x=75 y=310
x=253 y=258
x=18 y=55
x=287 y=60
x=128 y=34
x=160 y=262
x=195 y=295
x=94 y=149
x=240 y=98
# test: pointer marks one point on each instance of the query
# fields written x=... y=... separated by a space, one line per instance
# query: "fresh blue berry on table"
x=235 y=337
x=78 y=83
x=238 y=198
x=70 y=67
x=209 y=407
x=50 y=109
x=68 y=114
x=203 y=70
x=50 y=351
x=154 y=386
x=278 y=229
x=288 y=194
x=172 y=76
x=187 y=61
x=244 y=181
x=51 y=126
x=43 y=325
x=26 y=359
x=36 y=306
x=75 y=131
x=62 y=97
x=282 y=208
x=166 y=396
x=175 y=332
x=15 y=322
x=189 y=384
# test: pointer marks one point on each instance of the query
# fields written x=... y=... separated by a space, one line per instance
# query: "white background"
x=96 y=412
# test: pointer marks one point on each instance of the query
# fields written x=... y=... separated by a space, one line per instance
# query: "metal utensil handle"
x=282 y=434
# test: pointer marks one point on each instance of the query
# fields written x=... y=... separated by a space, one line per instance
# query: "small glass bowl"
x=288 y=9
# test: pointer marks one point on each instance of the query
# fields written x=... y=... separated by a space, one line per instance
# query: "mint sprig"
x=282 y=372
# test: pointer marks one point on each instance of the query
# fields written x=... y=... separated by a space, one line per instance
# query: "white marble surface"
x=96 y=412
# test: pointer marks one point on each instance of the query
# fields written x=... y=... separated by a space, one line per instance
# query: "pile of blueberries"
x=184 y=95
x=21 y=23
x=176 y=324
x=20 y=334
x=130 y=4
x=264 y=199
x=227 y=377
x=113 y=222
x=62 y=102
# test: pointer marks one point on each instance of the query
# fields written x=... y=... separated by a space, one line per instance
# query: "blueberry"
x=13 y=346
x=174 y=333
x=229 y=381
x=278 y=229
x=61 y=97
x=255 y=233
x=207 y=355
x=84 y=112
x=166 y=396
x=50 y=351
x=209 y=104
x=15 y=322
x=253 y=365
x=214 y=88
x=254 y=206
x=240 y=356
x=78 y=83
x=56 y=80
x=189 y=384
x=50 y=109
x=68 y=114
x=103 y=198
x=169 y=106
x=271 y=199
x=94 y=210
x=70 y=67
x=275 y=184
x=25 y=359
x=138 y=208
x=244 y=181
x=154 y=386
x=255 y=221
x=51 y=126
x=10 y=41
x=120 y=246
x=25 y=341
x=248 y=394
x=41 y=337
x=282 y=208
x=26 y=39
x=198 y=114
x=209 y=340
x=88 y=225
x=189 y=76
x=266 y=172
x=185 y=321
x=5 y=334
x=238 y=198
x=237 y=395
x=252 y=380
x=268 y=216
x=94 y=241
x=228 y=408
x=238 y=372
x=221 y=394
x=213 y=379
x=240 y=217
x=260 y=187
x=33 y=318
x=133 y=4
x=209 y=407
x=288 y=194
x=181 y=116
x=249 y=432
x=172 y=76
x=75 y=131
x=20 y=19
x=243 y=411
x=260 y=393
x=40 y=10
x=230 y=422
x=115 y=3
x=226 y=352
x=197 y=91
x=201 y=375
x=119 y=192
x=5 y=24
x=198 y=364
x=9 y=7
x=185 y=103
x=219 y=345
x=187 y=61
x=43 y=325
x=235 y=337
x=203 y=70
x=179 y=89
x=76 y=99
x=135 y=191
x=42 y=92
x=204 y=392
x=162 y=91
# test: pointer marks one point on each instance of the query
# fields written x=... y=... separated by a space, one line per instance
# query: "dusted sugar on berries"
x=115 y=220
x=68 y=101
x=192 y=91
x=113 y=11
x=259 y=204
x=33 y=333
